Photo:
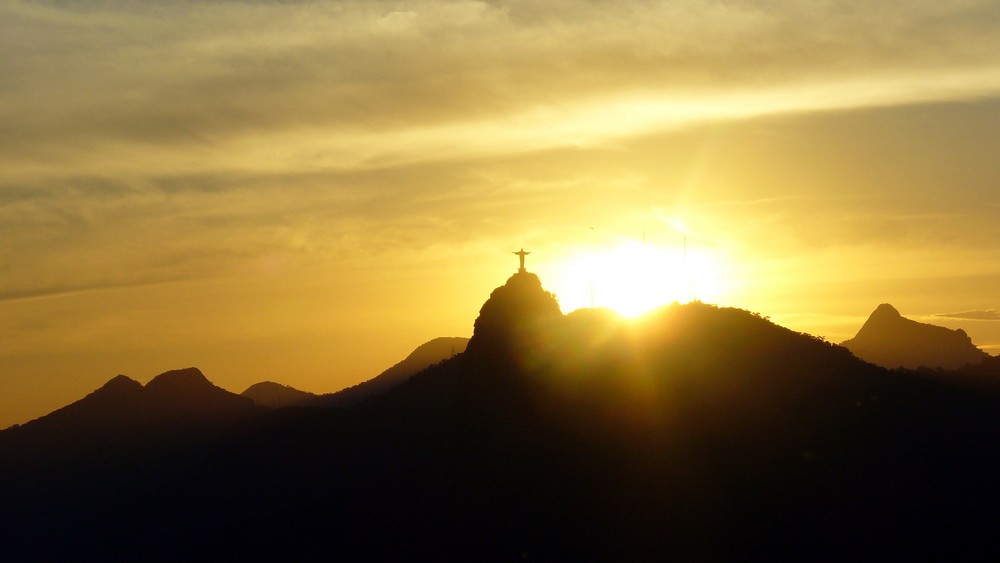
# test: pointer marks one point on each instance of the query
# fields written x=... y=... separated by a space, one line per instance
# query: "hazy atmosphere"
x=306 y=191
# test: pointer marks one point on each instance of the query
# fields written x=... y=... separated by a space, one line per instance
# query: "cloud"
x=164 y=141
x=65 y=235
x=366 y=83
x=984 y=315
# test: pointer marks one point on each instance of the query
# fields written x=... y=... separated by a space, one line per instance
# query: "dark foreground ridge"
x=697 y=433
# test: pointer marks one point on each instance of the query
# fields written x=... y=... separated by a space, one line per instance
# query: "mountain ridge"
x=123 y=413
x=436 y=350
x=564 y=437
x=891 y=340
x=427 y=354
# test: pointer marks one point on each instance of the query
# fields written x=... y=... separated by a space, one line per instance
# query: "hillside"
x=276 y=395
x=696 y=433
x=424 y=356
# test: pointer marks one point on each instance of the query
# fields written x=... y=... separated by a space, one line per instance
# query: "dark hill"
x=696 y=433
x=424 y=356
x=188 y=395
x=699 y=433
x=276 y=395
x=101 y=413
x=891 y=340
x=124 y=415
x=512 y=319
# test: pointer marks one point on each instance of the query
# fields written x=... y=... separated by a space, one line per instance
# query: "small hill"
x=276 y=396
x=186 y=394
x=890 y=340
x=424 y=356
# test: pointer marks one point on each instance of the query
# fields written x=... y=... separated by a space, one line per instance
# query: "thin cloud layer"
x=214 y=78
x=185 y=138
x=985 y=315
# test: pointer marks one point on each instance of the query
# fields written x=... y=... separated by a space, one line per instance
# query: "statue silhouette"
x=521 y=254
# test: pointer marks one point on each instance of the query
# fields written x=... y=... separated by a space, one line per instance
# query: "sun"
x=632 y=278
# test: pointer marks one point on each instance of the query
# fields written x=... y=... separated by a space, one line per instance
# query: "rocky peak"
x=512 y=314
x=120 y=384
x=891 y=340
x=885 y=311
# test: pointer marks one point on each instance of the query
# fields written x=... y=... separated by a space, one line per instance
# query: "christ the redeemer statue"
x=521 y=254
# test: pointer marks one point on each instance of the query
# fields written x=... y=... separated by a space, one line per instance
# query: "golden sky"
x=306 y=191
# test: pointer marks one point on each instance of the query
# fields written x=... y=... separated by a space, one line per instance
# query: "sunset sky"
x=305 y=191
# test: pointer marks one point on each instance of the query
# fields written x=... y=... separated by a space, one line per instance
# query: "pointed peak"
x=886 y=310
x=121 y=382
x=892 y=340
x=884 y=317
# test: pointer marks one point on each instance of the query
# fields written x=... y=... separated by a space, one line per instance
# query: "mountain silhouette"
x=694 y=433
x=188 y=394
x=124 y=414
x=607 y=440
x=424 y=356
x=510 y=322
x=890 y=340
x=275 y=395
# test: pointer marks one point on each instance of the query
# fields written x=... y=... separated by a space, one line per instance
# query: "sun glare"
x=633 y=278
